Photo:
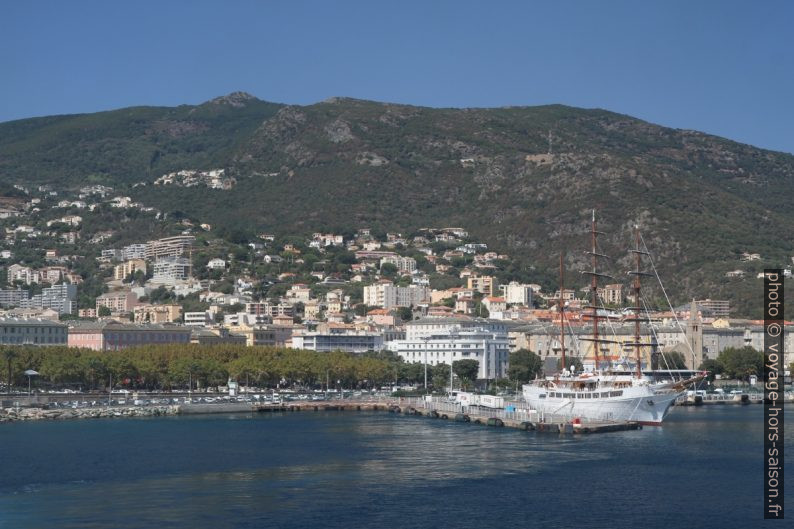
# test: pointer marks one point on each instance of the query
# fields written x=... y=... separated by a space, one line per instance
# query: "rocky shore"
x=32 y=414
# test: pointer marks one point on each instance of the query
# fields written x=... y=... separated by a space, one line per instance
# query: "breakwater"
x=33 y=414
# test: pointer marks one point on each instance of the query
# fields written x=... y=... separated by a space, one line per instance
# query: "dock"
x=519 y=418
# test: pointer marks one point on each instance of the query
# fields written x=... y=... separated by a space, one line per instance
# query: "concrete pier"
x=484 y=419
x=478 y=417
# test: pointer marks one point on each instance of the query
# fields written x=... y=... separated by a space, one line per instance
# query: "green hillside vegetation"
x=343 y=164
x=130 y=144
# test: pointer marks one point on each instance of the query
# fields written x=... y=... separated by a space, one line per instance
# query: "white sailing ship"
x=606 y=393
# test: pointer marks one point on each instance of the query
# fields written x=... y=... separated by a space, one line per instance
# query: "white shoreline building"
x=446 y=340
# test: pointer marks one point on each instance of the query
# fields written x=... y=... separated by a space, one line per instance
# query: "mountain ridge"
x=521 y=178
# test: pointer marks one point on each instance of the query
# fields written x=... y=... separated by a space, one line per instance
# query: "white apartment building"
x=385 y=295
x=517 y=294
x=12 y=298
x=216 y=264
x=349 y=341
x=198 y=319
x=405 y=265
x=266 y=308
x=62 y=298
x=133 y=251
x=169 y=246
x=23 y=273
x=418 y=329
x=299 y=292
x=170 y=269
x=489 y=348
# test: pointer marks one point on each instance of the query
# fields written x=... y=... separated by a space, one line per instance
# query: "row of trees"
x=736 y=363
x=175 y=366
x=172 y=366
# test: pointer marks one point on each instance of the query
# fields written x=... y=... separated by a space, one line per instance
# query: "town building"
x=170 y=269
x=482 y=284
x=12 y=298
x=257 y=335
x=494 y=304
x=25 y=274
x=718 y=308
x=448 y=340
x=612 y=294
x=215 y=336
x=18 y=331
x=350 y=341
x=386 y=295
x=117 y=301
x=112 y=336
x=517 y=294
x=216 y=264
x=129 y=267
x=111 y=254
x=266 y=308
x=157 y=313
x=405 y=265
x=133 y=251
x=169 y=247
x=62 y=298
x=198 y=319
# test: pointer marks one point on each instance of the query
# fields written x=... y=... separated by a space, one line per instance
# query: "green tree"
x=94 y=368
x=10 y=354
x=388 y=270
x=103 y=311
x=524 y=366
x=741 y=363
x=713 y=366
x=406 y=314
x=439 y=376
x=466 y=370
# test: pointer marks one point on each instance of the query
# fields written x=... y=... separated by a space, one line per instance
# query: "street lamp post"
x=451 y=361
x=30 y=374
x=425 y=364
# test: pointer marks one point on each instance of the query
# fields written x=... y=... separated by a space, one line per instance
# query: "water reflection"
x=334 y=469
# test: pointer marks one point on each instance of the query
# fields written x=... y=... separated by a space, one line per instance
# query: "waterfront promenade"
x=514 y=414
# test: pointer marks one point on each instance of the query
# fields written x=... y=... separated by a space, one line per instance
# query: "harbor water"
x=703 y=468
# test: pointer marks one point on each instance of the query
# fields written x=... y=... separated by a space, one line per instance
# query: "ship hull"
x=644 y=407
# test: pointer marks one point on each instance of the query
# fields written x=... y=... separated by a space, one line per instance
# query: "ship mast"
x=561 y=310
x=637 y=287
x=594 y=306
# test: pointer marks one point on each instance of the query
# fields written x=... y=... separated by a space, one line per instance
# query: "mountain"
x=128 y=145
x=523 y=179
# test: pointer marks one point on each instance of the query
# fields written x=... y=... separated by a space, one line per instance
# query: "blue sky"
x=723 y=67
